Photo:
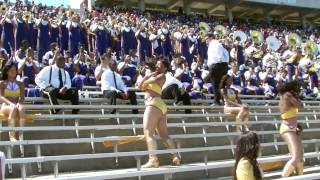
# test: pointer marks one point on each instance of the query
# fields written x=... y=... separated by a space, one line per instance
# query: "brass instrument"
x=258 y=54
x=241 y=35
x=27 y=16
x=273 y=43
x=204 y=28
x=294 y=40
x=313 y=69
x=220 y=30
x=311 y=48
x=256 y=37
x=3 y=9
x=295 y=57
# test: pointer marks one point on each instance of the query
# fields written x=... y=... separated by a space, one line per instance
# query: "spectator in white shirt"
x=55 y=84
x=47 y=59
x=21 y=53
x=218 y=59
x=113 y=87
x=174 y=89
x=103 y=66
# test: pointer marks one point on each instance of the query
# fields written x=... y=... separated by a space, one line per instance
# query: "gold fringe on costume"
x=123 y=140
x=29 y=118
x=270 y=165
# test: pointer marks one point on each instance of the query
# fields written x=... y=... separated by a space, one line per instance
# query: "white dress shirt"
x=171 y=80
x=48 y=57
x=108 y=83
x=217 y=53
x=42 y=79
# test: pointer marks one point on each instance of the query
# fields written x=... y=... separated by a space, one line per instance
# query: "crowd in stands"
x=90 y=41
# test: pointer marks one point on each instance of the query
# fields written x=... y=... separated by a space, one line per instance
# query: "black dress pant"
x=71 y=94
x=113 y=95
x=173 y=92
x=217 y=71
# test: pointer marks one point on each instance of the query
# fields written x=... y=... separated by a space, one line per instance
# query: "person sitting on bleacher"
x=174 y=89
x=69 y=63
x=246 y=166
x=78 y=79
x=12 y=96
x=113 y=87
x=55 y=83
x=103 y=66
x=21 y=53
x=82 y=58
x=28 y=68
x=4 y=57
x=47 y=59
x=127 y=70
x=233 y=106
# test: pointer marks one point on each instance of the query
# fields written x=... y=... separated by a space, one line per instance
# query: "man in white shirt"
x=218 y=59
x=47 y=59
x=113 y=87
x=173 y=89
x=55 y=84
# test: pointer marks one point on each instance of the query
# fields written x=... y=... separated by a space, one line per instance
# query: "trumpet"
x=27 y=16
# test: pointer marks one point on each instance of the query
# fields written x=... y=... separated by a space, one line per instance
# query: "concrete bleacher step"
x=272 y=174
x=194 y=170
x=102 y=164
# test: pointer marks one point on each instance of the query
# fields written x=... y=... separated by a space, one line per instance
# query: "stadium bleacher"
x=87 y=145
x=53 y=150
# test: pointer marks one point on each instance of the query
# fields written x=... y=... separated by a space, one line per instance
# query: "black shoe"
x=216 y=104
x=54 y=111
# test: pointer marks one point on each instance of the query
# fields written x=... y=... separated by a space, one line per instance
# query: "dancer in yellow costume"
x=154 y=117
x=232 y=103
x=12 y=96
x=246 y=166
x=290 y=130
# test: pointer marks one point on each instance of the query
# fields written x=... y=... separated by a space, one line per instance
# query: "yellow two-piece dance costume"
x=155 y=101
x=287 y=115
x=12 y=90
x=231 y=96
x=244 y=170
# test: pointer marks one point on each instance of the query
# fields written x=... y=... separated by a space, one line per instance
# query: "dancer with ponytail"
x=290 y=130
